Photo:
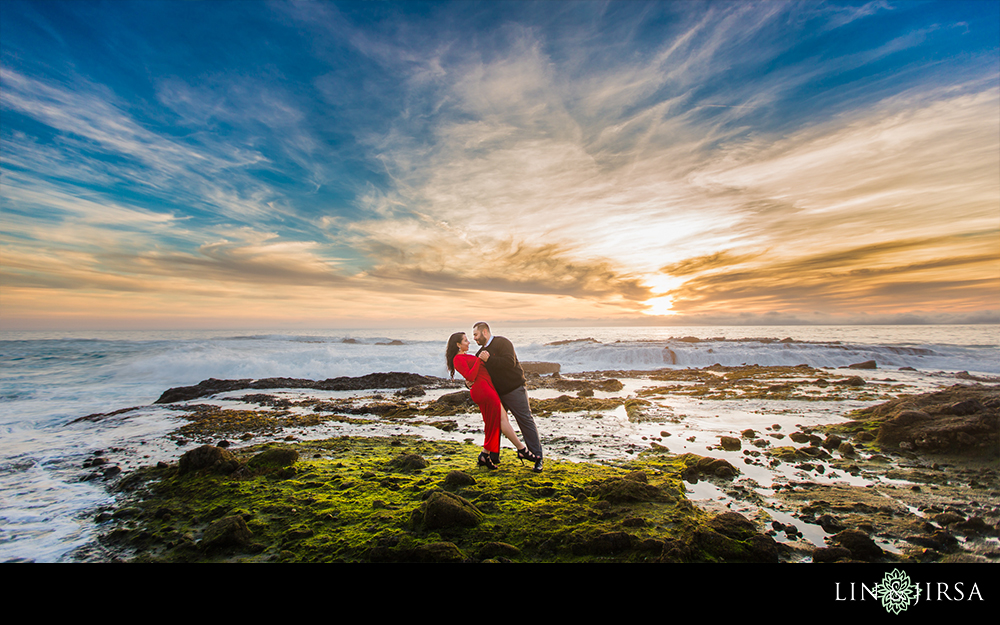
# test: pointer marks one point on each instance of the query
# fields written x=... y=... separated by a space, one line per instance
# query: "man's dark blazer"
x=504 y=369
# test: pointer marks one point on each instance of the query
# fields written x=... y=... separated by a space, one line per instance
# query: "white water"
x=48 y=379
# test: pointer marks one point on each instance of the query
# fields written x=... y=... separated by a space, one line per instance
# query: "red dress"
x=483 y=393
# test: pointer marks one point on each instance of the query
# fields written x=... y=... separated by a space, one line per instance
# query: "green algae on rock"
x=354 y=500
x=961 y=419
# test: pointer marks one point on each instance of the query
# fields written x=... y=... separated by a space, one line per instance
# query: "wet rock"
x=976 y=525
x=961 y=419
x=607 y=386
x=230 y=531
x=444 y=509
x=962 y=408
x=852 y=381
x=492 y=550
x=698 y=465
x=623 y=490
x=947 y=518
x=207 y=457
x=456 y=479
x=831 y=554
x=730 y=443
x=861 y=546
x=603 y=544
x=832 y=441
x=731 y=537
x=413 y=391
x=637 y=476
x=213 y=386
x=408 y=462
x=274 y=458
x=540 y=368
x=456 y=399
x=804 y=437
x=830 y=524
x=441 y=551
x=868 y=364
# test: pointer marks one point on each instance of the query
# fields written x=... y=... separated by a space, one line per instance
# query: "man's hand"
x=484 y=356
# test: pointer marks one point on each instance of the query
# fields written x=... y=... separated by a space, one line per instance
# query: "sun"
x=660 y=306
x=661 y=284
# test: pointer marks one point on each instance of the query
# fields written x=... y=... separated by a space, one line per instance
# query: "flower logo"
x=896 y=591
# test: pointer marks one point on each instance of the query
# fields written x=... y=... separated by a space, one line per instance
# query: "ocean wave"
x=689 y=352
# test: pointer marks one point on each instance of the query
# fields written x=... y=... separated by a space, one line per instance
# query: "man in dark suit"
x=497 y=354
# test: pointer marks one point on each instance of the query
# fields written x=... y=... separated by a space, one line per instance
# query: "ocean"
x=50 y=379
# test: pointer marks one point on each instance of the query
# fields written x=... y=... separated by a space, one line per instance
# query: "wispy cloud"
x=568 y=159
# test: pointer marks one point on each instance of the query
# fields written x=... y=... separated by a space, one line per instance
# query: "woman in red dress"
x=483 y=393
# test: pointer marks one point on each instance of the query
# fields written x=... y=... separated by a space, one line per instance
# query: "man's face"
x=481 y=335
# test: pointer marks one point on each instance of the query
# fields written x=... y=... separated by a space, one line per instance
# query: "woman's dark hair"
x=452 y=351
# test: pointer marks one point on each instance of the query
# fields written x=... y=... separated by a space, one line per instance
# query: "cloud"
x=870 y=278
x=97 y=135
x=723 y=156
x=507 y=267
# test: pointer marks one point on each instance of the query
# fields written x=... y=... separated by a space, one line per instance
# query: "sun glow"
x=660 y=306
x=661 y=284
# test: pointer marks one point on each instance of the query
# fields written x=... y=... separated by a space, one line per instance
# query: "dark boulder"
x=456 y=479
x=230 y=531
x=446 y=510
x=625 y=489
x=731 y=537
x=831 y=554
x=408 y=462
x=868 y=364
x=861 y=546
x=491 y=550
x=208 y=457
x=274 y=458
x=730 y=443
x=605 y=544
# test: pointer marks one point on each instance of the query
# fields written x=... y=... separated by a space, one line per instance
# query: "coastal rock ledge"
x=213 y=386
x=958 y=420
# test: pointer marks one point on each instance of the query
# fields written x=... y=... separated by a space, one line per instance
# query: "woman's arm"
x=468 y=366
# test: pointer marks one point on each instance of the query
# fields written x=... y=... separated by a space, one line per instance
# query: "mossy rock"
x=698 y=465
x=730 y=537
x=493 y=549
x=444 y=510
x=633 y=487
x=409 y=462
x=274 y=458
x=345 y=507
x=230 y=531
x=208 y=457
x=440 y=551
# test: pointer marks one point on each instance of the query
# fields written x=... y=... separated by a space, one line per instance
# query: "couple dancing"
x=497 y=383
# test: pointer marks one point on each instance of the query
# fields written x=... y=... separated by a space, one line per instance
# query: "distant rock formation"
x=213 y=386
x=540 y=368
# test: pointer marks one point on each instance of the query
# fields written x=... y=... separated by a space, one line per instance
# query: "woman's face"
x=463 y=345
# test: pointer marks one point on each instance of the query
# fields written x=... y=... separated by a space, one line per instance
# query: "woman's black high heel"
x=524 y=454
x=486 y=461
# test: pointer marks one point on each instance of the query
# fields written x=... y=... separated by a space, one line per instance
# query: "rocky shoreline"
x=909 y=477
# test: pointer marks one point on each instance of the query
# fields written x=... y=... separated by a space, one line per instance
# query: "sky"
x=253 y=164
